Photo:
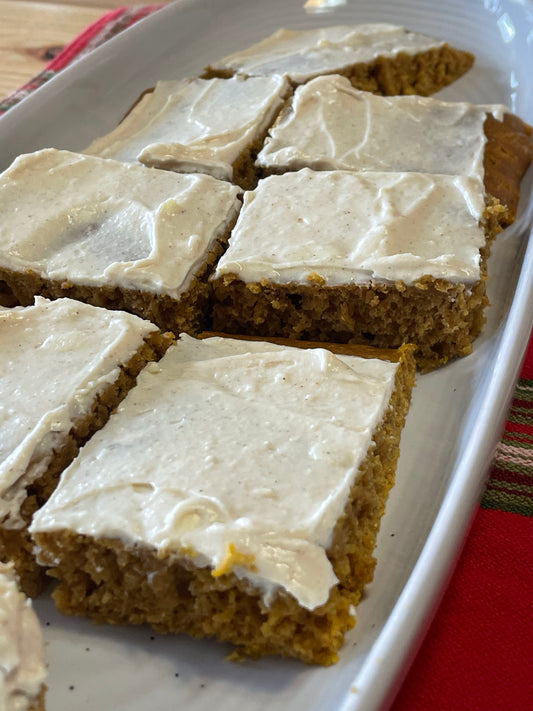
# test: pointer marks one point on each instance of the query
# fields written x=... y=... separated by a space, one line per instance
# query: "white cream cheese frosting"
x=332 y=126
x=340 y=227
x=196 y=125
x=56 y=357
x=252 y=447
x=304 y=54
x=22 y=667
x=96 y=221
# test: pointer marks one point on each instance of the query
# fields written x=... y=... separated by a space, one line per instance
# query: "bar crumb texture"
x=203 y=574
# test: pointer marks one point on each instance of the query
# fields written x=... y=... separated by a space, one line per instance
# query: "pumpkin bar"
x=65 y=366
x=113 y=234
x=382 y=58
x=212 y=126
x=374 y=258
x=208 y=505
x=22 y=667
x=329 y=125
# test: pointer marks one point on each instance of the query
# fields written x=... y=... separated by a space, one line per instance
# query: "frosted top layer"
x=245 y=464
x=342 y=227
x=22 y=667
x=304 y=54
x=99 y=222
x=333 y=126
x=195 y=125
x=56 y=357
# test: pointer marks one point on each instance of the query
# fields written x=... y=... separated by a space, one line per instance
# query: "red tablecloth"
x=478 y=653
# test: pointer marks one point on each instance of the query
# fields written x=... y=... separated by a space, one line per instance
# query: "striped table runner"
x=510 y=487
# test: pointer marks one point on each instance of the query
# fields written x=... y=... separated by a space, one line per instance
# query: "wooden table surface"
x=31 y=33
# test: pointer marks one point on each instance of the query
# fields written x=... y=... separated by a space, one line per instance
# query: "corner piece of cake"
x=22 y=667
x=375 y=258
x=329 y=125
x=65 y=366
x=236 y=493
x=113 y=234
x=212 y=126
x=382 y=58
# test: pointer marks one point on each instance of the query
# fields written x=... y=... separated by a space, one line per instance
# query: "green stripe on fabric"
x=513 y=459
x=516 y=497
x=518 y=442
x=523 y=393
x=503 y=501
x=522 y=489
x=514 y=467
x=519 y=419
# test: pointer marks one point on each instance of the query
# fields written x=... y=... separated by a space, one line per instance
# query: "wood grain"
x=32 y=32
